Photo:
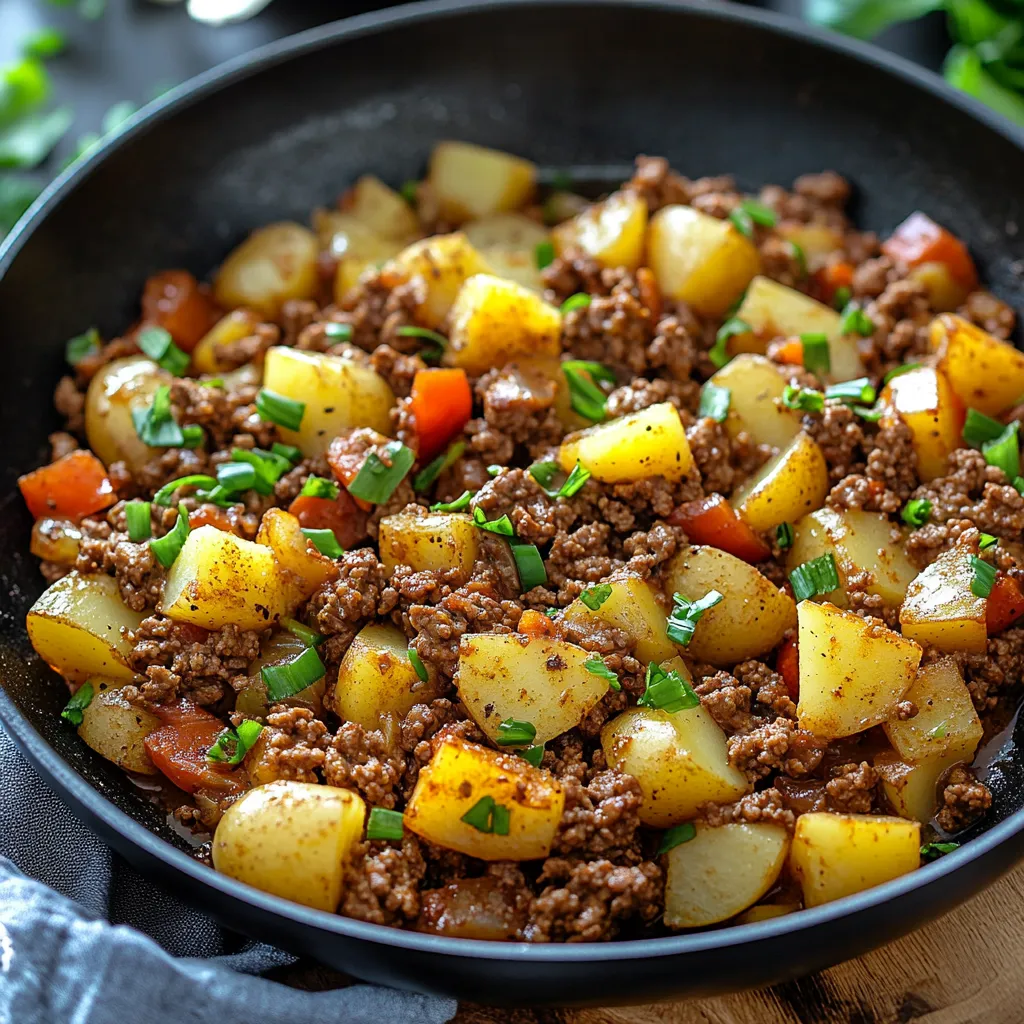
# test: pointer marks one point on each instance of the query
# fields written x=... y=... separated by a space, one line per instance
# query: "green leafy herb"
x=325 y=542
x=158 y=344
x=275 y=408
x=291 y=677
x=44 y=43
x=460 y=504
x=338 y=332
x=855 y=321
x=380 y=475
x=576 y=479
x=578 y=301
x=544 y=473
x=156 y=425
x=136 y=514
x=759 y=213
x=82 y=345
x=933 y=851
x=719 y=352
x=596 y=666
x=805 y=399
x=310 y=637
x=533 y=754
x=984 y=577
x=898 y=371
x=417 y=663
x=502 y=526
x=979 y=428
x=529 y=564
x=80 y=700
x=433 y=469
x=231 y=746
x=385 y=824
x=714 y=402
x=212 y=382
x=552 y=613
x=784 y=535
x=986 y=541
x=166 y=493
x=667 y=691
x=488 y=816
x=515 y=733
x=860 y=390
x=1004 y=451
x=285 y=451
x=676 y=836
x=817 y=357
x=594 y=597
x=818 y=576
x=167 y=548
x=544 y=254
x=585 y=396
x=686 y=614
x=916 y=512
x=319 y=487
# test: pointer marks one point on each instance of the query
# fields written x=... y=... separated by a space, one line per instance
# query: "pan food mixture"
x=493 y=563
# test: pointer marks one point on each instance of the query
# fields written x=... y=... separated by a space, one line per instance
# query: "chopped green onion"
x=544 y=473
x=325 y=542
x=286 y=451
x=585 y=396
x=310 y=637
x=502 y=526
x=426 y=476
x=939 y=732
x=500 y=820
x=714 y=402
x=270 y=466
x=515 y=733
x=213 y=382
x=859 y=390
x=82 y=345
x=291 y=677
x=799 y=256
x=804 y=399
x=408 y=191
x=759 y=213
x=984 y=577
x=163 y=496
x=80 y=700
x=986 y=541
x=156 y=425
x=158 y=344
x=818 y=576
x=979 y=428
x=842 y=296
x=594 y=597
x=385 y=824
x=417 y=663
x=552 y=613
x=319 y=487
x=136 y=513
x=544 y=254
x=487 y=816
x=933 y=851
x=1004 y=451
x=231 y=746
x=534 y=755
x=460 y=504
x=686 y=614
x=596 y=666
x=916 y=512
x=667 y=691
x=872 y=414
x=275 y=408
x=581 y=300
x=855 y=321
x=217 y=496
x=576 y=479
x=376 y=480
x=817 y=357
x=338 y=332
x=530 y=565
x=784 y=535
x=719 y=352
x=898 y=371
x=742 y=221
x=234 y=477
x=494 y=470
x=676 y=836
x=168 y=547
x=1018 y=484
x=439 y=340
x=191 y=436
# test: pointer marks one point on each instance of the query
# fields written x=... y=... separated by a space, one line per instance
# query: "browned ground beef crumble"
x=603 y=874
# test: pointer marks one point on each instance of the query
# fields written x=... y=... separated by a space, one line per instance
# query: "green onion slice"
x=686 y=614
x=426 y=476
x=163 y=496
x=581 y=300
x=534 y=755
x=408 y=191
x=596 y=666
x=500 y=820
x=291 y=677
x=158 y=344
x=136 y=514
x=984 y=577
x=979 y=428
x=818 y=576
x=932 y=851
x=502 y=526
x=676 y=836
x=417 y=663
x=986 y=541
x=594 y=597
x=544 y=254
x=338 y=332
x=916 y=512
x=714 y=402
x=860 y=390
x=898 y=371
x=82 y=345
x=275 y=408
x=168 y=547
x=515 y=733
x=585 y=396
x=784 y=535
x=855 y=321
x=319 y=487
x=191 y=436
x=530 y=565
x=310 y=637
x=378 y=477
x=234 y=477
x=576 y=479
x=805 y=399
x=719 y=352
x=286 y=451
x=667 y=691
x=1004 y=451
x=460 y=504
x=80 y=700
x=494 y=470
x=487 y=816
x=270 y=466
x=325 y=542
x=385 y=824
x=156 y=425
x=742 y=221
x=231 y=746
x=841 y=299
x=759 y=213
x=817 y=357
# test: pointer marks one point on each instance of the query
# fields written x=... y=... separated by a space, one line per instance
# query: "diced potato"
x=508 y=241
x=377 y=678
x=767 y=911
x=836 y=855
x=755 y=386
x=459 y=776
x=752 y=615
x=945 y=292
x=722 y=871
x=238 y=324
x=775 y=311
x=852 y=673
x=700 y=259
x=118 y=389
x=437 y=542
x=281 y=532
x=518 y=265
x=56 y=540
x=291 y=839
x=680 y=759
x=472 y=908
x=338 y=394
x=219 y=578
x=940 y=609
x=78 y=627
x=648 y=443
x=471 y=181
x=355 y=246
x=986 y=373
x=816 y=240
x=381 y=209
x=445 y=262
x=537 y=680
x=860 y=542
x=610 y=232
x=912 y=790
x=927 y=404
x=274 y=264
x=494 y=322
x=117 y=730
x=786 y=487
x=632 y=607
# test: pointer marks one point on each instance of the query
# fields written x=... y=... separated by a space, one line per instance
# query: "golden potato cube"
x=700 y=260
x=78 y=628
x=632 y=607
x=651 y=442
x=460 y=776
x=238 y=324
x=472 y=181
x=752 y=615
x=985 y=372
x=755 y=385
x=280 y=531
x=722 y=871
x=433 y=543
x=120 y=388
x=116 y=729
x=381 y=209
x=786 y=487
x=446 y=263
x=941 y=610
x=494 y=322
x=852 y=673
x=291 y=839
x=610 y=232
x=220 y=579
x=944 y=291
x=912 y=790
x=925 y=401
x=354 y=245
x=836 y=855
x=538 y=680
x=338 y=394
x=508 y=241
x=377 y=678
x=816 y=240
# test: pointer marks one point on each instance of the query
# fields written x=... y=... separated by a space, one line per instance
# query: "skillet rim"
x=103 y=816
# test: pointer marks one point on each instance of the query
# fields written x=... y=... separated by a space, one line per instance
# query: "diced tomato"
x=175 y=301
x=920 y=240
x=712 y=521
x=787 y=664
x=534 y=624
x=178 y=749
x=213 y=515
x=830 y=278
x=789 y=352
x=441 y=404
x=1005 y=604
x=74 y=486
x=341 y=514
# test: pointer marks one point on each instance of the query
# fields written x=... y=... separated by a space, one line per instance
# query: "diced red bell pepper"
x=175 y=301
x=787 y=664
x=1005 y=604
x=74 y=486
x=179 y=747
x=441 y=405
x=830 y=278
x=712 y=521
x=789 y=352
x=920 y=240
x=341 y=514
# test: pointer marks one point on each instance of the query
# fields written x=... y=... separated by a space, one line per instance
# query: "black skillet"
x=570 y=85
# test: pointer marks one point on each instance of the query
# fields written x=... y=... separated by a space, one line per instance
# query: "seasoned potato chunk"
x=541 y=681
x=722 y=871
x=700 y=259
x=471 y=181
x=816 y=240
x=508 y=241
x=755 y=385
x=354 y=245
x=944 y=291
x=611 y=232
x=752 y=615
x=927 y=404
x=648 y=443
x=521 y=805
x=494 y=322
x=280 y=531
x=117 y=730
x=238 y=324
x=78 y=628
x=852 y=673
x=426 y=543
x=836 y=855
x=381 y=209
x=941 y=610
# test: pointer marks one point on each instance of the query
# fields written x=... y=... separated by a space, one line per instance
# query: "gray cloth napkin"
x=69 y=956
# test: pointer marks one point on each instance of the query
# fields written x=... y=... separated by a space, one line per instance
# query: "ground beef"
x=989 y=313
x=535 y=517
x=295 y=743
x=600 y=819
x=641 y=393
x=723 y=461
x=520 y=405
x=775 y=746
x=398 y=369
x=295 y=316
x=341 y=606
x=766 y=806
x=658 y=185
x=382 y=303
x=581 y=556
x=746 y=698
x=892 y=461
x=901 y=315
x=964 y=800
x=648 y=550
x=382 y=883
x=839 y=433
x=992 y=674
x=369 y=761
x=70 y=403
x=140 y=577
x=574 y=271
x=727 y=701
x=613 y=330
x=852 y=789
